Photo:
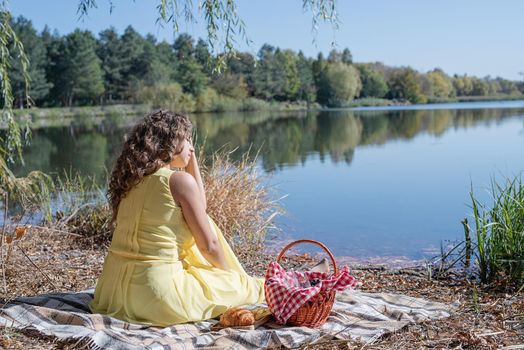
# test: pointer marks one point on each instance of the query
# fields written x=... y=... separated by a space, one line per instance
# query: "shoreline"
x=275 y=106
x=385 y=262
x=487 y=316
x=121 y=115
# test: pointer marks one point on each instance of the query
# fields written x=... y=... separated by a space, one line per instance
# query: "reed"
x=499 y=233
x=83 y=209
x=239 y=199
x=28 y=194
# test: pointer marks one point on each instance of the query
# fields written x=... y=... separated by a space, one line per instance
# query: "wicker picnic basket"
x=316 y=310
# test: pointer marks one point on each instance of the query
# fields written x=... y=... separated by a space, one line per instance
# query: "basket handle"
x=313 y=242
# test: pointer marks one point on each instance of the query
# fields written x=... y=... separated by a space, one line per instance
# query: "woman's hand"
x=193 y=169
x=193 y=163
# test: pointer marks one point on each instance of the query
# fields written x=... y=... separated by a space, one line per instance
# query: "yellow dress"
x=154 y=273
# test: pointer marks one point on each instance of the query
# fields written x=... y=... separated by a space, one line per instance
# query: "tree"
x=425 y=85
x=404 y=84
x=287 y=75
x=191 y=76
x=110 y=51
x=342 y=84
x=276 y=75
x=334 y=56
x=265 y=84
x=507 y=86
x=53 y=44
x=165 y=54
x=156 y=69
x=221 y=18
x=344 y=56
x=81 y=75
x=463 y=85
x=244 y=64
x=494 y=87
x=373 y=83
x=36 y=53
x=162 y=68
x=318 y=68
x=307 y=90
x=347 y=57
x=441 y=84
x=232 y=85
x=520 y=87
x=183 y=46
x=480 y=87
x=204 y=57
x=189 y=72
x=134 y=64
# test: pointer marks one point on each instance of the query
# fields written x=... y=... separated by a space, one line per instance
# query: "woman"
x=168 y=262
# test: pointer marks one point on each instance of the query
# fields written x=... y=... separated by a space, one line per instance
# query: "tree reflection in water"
x=89 y=146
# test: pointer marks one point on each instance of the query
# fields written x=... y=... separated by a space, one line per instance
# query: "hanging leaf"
x=20 y=231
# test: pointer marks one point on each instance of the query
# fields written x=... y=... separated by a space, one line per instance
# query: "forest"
x=80 y=69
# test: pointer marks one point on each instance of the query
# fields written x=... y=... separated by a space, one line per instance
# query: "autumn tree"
x=404 y=84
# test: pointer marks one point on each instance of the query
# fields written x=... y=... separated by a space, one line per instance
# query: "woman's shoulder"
x=182 y=183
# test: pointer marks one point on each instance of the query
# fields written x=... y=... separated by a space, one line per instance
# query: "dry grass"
x=238 y=199
x=29 y=192
x=92 y=222
x=45 y=260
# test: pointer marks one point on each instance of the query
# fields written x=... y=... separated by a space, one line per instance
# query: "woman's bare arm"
x=185 y=191
x=193 y=169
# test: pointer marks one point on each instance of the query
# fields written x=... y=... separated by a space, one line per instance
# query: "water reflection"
x=90 y=145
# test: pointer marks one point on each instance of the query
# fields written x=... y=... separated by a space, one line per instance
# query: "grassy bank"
x=228 y=105
x=500 y=97
x=121 y=114
x=380 y=102
x=375 y=102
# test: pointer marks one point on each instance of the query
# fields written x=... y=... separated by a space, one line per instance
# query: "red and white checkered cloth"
x=284 y=298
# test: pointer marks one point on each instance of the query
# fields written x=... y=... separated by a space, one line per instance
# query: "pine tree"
x=53 y=43
x=36 y=52
x=133 y=66
x=307 y=91
x=110 y=51
x=81 y=78
x=189 y=72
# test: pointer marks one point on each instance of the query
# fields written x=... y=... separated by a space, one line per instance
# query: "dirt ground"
x=488 y=318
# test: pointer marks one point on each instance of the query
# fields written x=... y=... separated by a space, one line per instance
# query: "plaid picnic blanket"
x=355 y=315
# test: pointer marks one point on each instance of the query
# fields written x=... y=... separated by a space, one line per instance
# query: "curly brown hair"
x=151 y=143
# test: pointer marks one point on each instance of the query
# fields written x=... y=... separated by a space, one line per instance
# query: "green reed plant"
x=499 y=232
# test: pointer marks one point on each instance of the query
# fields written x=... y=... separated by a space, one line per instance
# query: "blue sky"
x=477 y=37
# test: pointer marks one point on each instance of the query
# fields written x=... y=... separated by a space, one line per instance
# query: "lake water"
x=382 y=182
